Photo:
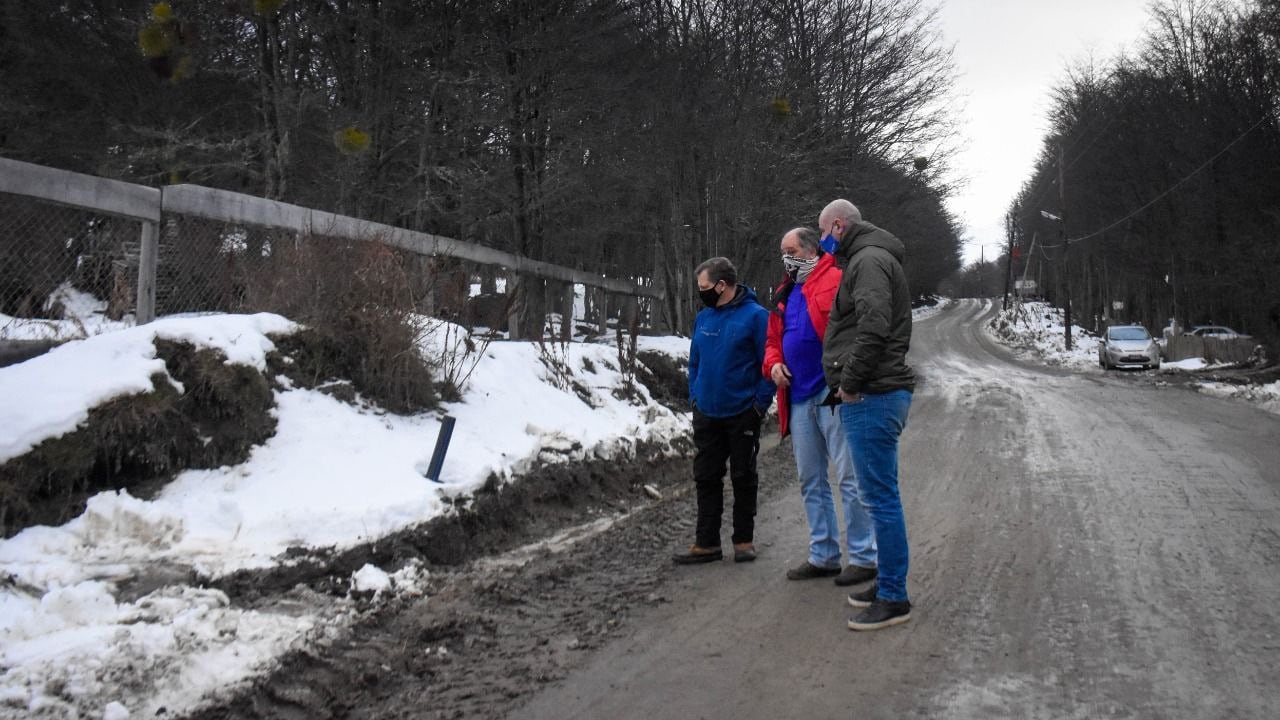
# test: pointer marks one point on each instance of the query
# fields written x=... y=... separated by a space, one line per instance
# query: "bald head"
x=837 y=217
x=801 y=242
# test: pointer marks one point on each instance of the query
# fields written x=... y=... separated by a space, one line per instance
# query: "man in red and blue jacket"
x=793 y=361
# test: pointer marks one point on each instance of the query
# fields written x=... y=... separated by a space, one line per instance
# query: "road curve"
x=1082 y=546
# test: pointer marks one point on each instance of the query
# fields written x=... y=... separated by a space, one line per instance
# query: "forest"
x=631 y=138
x=1157 y=191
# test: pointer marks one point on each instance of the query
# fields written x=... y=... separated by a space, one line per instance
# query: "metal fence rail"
x=81 y=254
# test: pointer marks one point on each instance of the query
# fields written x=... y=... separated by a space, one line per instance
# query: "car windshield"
x=1128 y=333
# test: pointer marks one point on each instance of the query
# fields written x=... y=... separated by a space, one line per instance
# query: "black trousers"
x=736 y=440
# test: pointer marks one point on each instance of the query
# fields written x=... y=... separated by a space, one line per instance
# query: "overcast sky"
x=1009 y=54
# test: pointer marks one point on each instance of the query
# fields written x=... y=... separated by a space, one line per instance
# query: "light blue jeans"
x=817 y=436
x=872 y=426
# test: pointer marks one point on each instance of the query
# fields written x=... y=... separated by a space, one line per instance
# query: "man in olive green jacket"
x=864 y=357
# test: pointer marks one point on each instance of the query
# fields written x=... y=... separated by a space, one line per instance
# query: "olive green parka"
x=869 y=333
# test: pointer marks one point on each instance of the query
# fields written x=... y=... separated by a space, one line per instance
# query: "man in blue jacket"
x=730 y=399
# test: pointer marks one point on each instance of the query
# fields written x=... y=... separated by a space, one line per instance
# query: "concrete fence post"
x=566 y=311
x=602 y=309
x=147 y=257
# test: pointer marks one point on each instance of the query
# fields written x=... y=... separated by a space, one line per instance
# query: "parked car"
x=1128 y=346
x=1214 y=331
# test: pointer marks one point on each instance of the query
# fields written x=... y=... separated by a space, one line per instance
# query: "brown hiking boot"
x=744 y=552
x=696 y=554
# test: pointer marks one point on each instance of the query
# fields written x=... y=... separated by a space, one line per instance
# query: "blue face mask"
x=829 y=243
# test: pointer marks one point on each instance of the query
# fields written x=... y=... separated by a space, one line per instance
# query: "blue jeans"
x=872 y=426
x=817 y=435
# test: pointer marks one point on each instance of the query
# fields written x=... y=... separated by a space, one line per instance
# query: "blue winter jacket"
x=725 y=357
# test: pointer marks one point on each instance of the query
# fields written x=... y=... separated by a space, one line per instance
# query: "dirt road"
x=1082 y=546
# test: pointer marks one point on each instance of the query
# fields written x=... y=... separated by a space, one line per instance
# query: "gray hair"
x=807 y=237
x=840 y=210
x=717 y=269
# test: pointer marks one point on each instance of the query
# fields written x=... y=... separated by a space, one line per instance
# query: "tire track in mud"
x=490 y=634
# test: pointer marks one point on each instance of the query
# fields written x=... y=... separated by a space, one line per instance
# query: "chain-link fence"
x=81 y=255
x=64 y=272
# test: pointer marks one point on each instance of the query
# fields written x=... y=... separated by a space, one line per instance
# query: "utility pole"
x=1008 y=262
x=1066 y=244
x=982 y=261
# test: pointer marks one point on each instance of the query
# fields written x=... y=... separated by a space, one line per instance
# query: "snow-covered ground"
x=1266 y=396
x=82 y=315
x=929 y=311
x=74 y=641
x=1038 y=328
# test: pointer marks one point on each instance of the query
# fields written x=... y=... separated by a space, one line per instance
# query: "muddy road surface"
x=1083 y=545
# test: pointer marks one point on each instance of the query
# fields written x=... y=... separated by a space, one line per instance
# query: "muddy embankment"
x=518 y=614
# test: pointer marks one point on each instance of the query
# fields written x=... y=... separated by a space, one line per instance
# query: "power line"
x=1172 y=188
x=1078 y=157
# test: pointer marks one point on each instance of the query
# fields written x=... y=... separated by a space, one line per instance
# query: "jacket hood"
x=744 y=293
x=867 y=235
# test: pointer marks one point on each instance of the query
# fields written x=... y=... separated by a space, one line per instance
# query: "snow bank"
x=76 y=648
x=333 y=475
x=1189 y=365
x=1041 y=329
x=928 y=311
x=1266 y=396
x=50 y=395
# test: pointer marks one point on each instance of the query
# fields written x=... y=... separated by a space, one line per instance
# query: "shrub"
x=357 y=304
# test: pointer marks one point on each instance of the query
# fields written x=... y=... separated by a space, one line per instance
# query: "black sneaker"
x=864 y=598
x=854 y=575
x=809 y=571
x=882 y=614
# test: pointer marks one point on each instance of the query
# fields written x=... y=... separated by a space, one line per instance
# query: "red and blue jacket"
x=819 y=290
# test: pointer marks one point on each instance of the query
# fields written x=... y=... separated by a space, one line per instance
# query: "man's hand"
x=780 y=375
x=848 y=397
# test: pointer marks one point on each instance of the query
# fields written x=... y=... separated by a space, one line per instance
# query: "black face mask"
x=710 y=296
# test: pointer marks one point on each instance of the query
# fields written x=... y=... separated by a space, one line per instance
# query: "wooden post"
x=517 y=292
x=147 y=255
x=630 y=315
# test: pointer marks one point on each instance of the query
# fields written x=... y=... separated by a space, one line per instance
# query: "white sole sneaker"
x=896 y=620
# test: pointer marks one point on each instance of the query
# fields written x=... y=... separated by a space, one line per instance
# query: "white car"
x=1220 y=331
x=1128 y=346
